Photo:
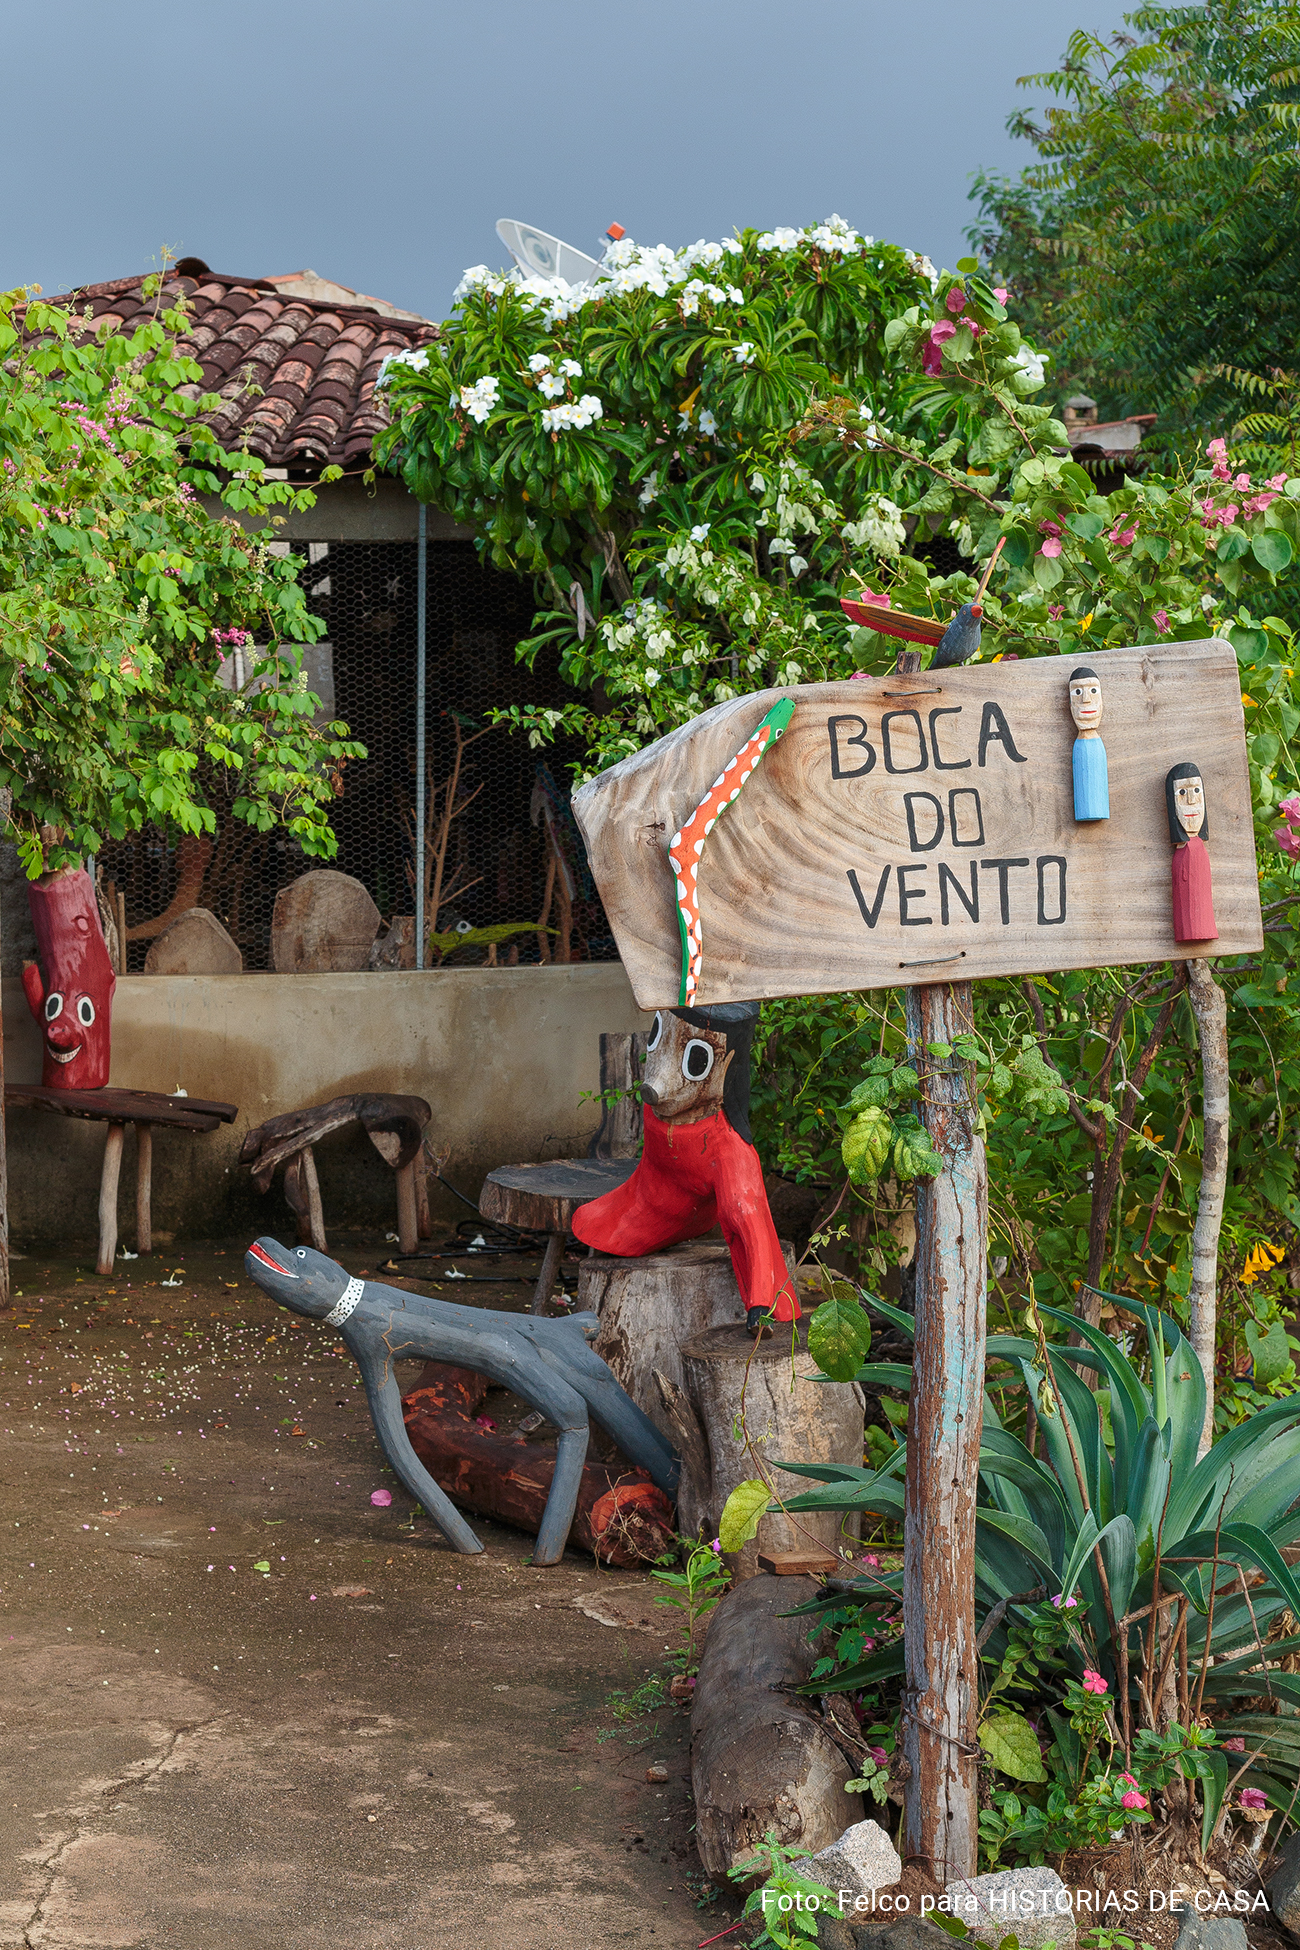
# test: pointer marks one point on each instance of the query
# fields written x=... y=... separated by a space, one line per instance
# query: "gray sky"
x=378 y=144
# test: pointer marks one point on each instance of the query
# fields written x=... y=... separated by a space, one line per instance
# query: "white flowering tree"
x=629 y=444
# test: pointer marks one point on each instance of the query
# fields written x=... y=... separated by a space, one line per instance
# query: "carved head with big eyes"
x=71 y=992
x=697 y=1061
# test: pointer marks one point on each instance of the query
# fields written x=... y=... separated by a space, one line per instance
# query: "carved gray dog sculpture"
x=546 y=1362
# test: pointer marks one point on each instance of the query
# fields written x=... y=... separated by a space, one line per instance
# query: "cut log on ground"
x=759 y=1760
x=648 y=1307
x=789 y=1413
x=621 y=1517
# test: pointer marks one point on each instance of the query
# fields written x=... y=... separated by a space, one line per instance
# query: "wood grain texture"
x=123 y=1106
x=941 y=1692
x=989 y=743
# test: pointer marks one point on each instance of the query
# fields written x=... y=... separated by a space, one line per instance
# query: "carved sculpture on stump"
x=70 y=992
x=547 y=1363
x=698 y=1167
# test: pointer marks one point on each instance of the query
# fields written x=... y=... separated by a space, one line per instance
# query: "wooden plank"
x=123 y=1106
x=941 y=1693
x=799 y=1564
x=544 y=1197
x=961 y=779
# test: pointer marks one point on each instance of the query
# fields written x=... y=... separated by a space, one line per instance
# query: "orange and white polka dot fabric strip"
x=686 y=847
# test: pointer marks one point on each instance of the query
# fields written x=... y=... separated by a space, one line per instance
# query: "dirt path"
x=244 y=1707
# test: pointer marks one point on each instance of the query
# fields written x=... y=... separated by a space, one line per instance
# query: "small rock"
x=1283 y=1887
x=1033 y=1905
x=861 y=1860
x=680 y=1687
x=1197 y=1932
x=656 y=1773
x=908 y=1933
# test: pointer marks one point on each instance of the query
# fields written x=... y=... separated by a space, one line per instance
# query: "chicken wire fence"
x=496 y=811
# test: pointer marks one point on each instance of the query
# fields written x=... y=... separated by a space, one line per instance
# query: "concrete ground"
x=245 y=1707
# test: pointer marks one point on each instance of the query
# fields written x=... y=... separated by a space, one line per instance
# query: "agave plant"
x=1174 y=1562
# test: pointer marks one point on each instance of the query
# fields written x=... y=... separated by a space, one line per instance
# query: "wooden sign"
x=917 y=829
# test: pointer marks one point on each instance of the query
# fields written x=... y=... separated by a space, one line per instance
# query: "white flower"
x=417 y=361
x=651 y=677
x=684 y=420
x=479 y=399
x=743 y=354
x=881 y=527
x=700 y=533
x=551 y=386
x=708 y=425
x=797 y=565
x=1032 y=364
x=777 y=546
x=649 y=489
x=758 y=485
x=540 y=362
x=835 y=236
x=780 y=240
x=573 y=413
x=571 y=369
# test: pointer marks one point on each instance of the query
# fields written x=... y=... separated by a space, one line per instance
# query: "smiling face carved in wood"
x=70 y=993
x=685 y=1070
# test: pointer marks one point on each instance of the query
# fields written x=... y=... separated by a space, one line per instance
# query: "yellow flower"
x=1261 y=1259
x=1087 y=621
x=1248 y=700
x=1150 y=1135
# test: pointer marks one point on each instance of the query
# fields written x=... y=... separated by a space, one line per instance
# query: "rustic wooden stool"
x=544 y=1198
x=117 y=1109
x=394 y=1125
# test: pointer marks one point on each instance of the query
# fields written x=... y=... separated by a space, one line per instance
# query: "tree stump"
x=791 y=1414
x=648 y=1307
x=759 y=1760
x=323 y=922
x=195 y=943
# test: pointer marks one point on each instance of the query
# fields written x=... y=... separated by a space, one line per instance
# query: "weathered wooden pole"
x=941 y=1694
x=941 y=1690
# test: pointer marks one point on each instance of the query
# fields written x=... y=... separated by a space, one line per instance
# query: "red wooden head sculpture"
x=70 y=993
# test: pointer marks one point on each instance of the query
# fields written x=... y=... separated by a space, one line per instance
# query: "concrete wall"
x=501 y=1055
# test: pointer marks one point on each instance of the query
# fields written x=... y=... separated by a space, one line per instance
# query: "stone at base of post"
x=941 y=1693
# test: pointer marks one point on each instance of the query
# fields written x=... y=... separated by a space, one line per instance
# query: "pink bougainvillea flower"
x=1242 y=481
x=1046 y=527
x=1129 y=1778
x=381 y=1498
x=1055 y=611
x=870 y=1558
x=956 y=301
x=484 y=1422
x=1161 y=621
x=1123 y=537
x=1257 y=504
x=1217 y=449
x=1000 y=293
x=932 y=355
x=1252 y=1798
x=1290 y=809
x=1132 y=1799
x=1051 y=547
x=879 y=1755
x=1236 y=1745
x=870 y=596
x=1229 y=514
x=1093 y=1682
x=1278 y=482
x=1061 y=1600
x=1289 y=842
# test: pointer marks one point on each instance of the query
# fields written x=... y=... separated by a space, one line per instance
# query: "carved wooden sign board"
x=940 y=827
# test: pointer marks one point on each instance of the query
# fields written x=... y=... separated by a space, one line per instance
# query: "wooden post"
x=144 y=1188
x=311 y=1191
x=941 y=1694
x=407 y=1206
x=108 y=1197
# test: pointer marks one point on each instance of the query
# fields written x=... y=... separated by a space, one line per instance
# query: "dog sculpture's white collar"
x=352 y=1293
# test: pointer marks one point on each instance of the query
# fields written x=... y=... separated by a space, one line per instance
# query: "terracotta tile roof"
x=295 y=368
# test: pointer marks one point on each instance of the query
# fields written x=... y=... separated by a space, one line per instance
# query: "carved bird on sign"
x=955 y=642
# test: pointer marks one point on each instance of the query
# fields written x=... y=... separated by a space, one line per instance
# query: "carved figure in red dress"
x=698 y=1167
x=1189 y=829
x=70 y=993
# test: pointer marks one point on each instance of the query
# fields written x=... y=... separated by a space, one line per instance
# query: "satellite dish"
x=543 y=256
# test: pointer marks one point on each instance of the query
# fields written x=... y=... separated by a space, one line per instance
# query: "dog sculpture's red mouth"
x=264 y=1259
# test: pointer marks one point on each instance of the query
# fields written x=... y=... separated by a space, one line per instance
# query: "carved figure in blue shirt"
x=1091 y=785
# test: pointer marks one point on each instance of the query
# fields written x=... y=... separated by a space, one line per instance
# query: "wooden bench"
x=394 y=1125
x=117 y=1109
